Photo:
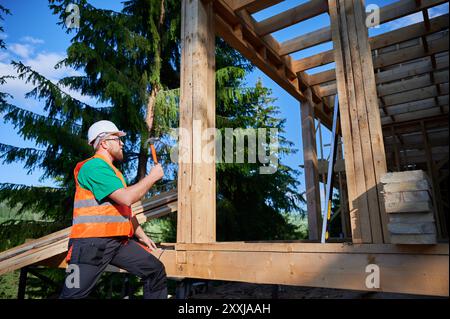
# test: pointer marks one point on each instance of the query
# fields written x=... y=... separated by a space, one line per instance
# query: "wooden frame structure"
x=384 y=83
x=393 y=94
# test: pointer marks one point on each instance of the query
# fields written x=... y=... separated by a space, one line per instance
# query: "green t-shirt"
x=98 y=177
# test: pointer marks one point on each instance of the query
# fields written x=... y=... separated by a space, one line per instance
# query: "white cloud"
x=22 y=50
x=43 y=63
x=30 y=39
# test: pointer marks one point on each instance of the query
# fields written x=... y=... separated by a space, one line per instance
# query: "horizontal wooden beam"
x=417 y=105
x=410 y=269
x=387 y=39
x=438 y=77
x=413 y=126
x=306 y=41
x=328 y=265
x=252 y=6
x=417 y=115
x=292 y=16
x=416 y=95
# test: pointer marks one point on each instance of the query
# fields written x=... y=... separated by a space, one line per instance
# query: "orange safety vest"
x=99 y=219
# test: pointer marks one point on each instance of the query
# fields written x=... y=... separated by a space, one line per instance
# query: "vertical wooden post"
x=197 y=173
x=22 y=283
x=441 y=227
x=311 y=167
x=365 y=158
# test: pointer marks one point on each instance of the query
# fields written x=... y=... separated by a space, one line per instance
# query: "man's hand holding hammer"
x=132 y=194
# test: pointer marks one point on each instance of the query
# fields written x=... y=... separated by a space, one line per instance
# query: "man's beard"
x=118 y=156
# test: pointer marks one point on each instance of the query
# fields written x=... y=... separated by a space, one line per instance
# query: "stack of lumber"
x=407 y=198
x=46 y=247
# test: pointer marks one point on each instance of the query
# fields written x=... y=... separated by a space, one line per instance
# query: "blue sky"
x=33 y=36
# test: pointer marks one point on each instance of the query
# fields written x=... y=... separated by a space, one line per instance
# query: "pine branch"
x=58 y=103
x=32 y=157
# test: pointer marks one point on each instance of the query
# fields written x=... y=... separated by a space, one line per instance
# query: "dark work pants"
x=92 y=255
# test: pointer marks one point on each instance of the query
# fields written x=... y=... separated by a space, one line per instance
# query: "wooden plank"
x=427 y=239
x=412 y=228
x=438 y=77
x=418 y=115
x=319 y=248
x=417 y=274
x=196 y=179
x=438 y=210
x=378 y=161
x=311 y=168
x=402 y=177
x=292 y=16
x=411 y=69
x=424 y=268
x=184 y=168
x=357 y=205
x=411 y=218
x=252 y=6
x=419 y=185
x=416 y=95
x=314 y=61
x=306 y=41
x=409 y=207
x=370 y=124
x=410 y=53
x=407 y=196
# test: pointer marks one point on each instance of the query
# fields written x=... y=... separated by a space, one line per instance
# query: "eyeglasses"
x=120 y=139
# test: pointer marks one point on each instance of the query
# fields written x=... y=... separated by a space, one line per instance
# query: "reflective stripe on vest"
x=92 y=218
x=89 y=203
x=99 y=219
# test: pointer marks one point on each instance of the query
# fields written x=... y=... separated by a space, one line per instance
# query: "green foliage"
x=8 y=285
x=250 y=204
x=3 y=10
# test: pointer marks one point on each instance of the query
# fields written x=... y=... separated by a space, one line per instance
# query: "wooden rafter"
x=251 y=6
x=292 y=16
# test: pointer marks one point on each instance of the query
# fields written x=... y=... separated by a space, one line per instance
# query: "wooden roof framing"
x=411 y=62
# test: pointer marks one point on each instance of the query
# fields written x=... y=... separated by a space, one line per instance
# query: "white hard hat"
x=103 y=127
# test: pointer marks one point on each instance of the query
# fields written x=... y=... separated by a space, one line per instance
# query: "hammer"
x=152 y=141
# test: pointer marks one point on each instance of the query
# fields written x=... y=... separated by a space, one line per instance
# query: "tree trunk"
x=150 y=114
